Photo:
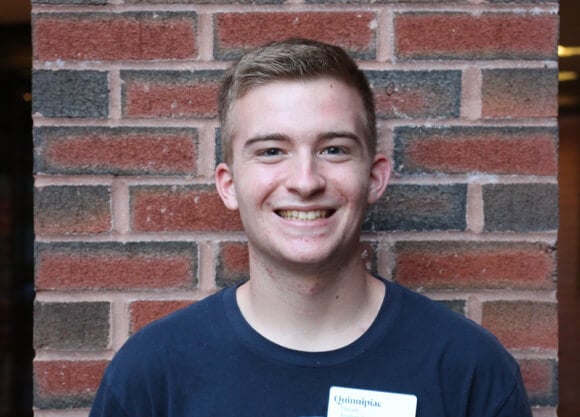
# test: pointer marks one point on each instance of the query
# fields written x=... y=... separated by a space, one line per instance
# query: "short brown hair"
x=292 y=59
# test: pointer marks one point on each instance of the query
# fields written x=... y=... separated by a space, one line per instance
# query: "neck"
x=315 y=311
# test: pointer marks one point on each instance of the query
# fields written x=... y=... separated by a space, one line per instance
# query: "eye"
x=334 y=150
x=336 y=153
x=270 y=152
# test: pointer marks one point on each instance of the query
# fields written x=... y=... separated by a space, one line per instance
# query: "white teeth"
x=303 y=215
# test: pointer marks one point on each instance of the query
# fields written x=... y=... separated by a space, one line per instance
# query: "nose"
x=305 y=177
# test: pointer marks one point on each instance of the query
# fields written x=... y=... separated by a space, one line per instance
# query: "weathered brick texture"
x=171 y=94
x=485 y=36
x=416 y=94
x=352 y=30
x=232 y=265
x=520 y=207
x=104 y=36
x=491 y=150
x=66 y=383
x=541 y=379
x=489 y=265
x=129 y=225
x=118 y=151
x=144 y=312
x=180 y=208
x=509 y=93
x=70 y=210
x=419 y=207
x=80 y=266
x=72 y=326
x=75 y=94
x=522 y=324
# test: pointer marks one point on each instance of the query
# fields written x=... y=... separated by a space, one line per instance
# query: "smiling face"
x=302 y=174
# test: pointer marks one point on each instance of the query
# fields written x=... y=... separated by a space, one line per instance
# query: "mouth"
x=309 y=215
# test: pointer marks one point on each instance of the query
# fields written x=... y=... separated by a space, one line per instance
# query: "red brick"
x=234 y=257
x=541 y=380
x=71 y=210
x=492 y=150
x=486 y=36
x=460 y=265
x=170 y=94
x=180 y=208
x=522 y=324
x=144 y=312
x=351 y=30
x=116 y=151
x=122 y=36
x=78 y=266
x=233 y=262
x=509 y=93
x=62 y=378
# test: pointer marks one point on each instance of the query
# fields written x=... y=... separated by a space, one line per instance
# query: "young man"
x=311 y=333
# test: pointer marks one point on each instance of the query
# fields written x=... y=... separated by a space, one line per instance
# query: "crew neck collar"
x=258 y=344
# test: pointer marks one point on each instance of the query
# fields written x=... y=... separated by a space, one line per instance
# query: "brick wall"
x=129 y=226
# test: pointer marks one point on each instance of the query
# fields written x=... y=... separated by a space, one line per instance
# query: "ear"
x=224 y=182
x=380 y=173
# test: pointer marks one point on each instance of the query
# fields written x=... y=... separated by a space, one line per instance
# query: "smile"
x=304 y=215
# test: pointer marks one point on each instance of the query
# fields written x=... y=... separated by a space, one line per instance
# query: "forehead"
x=297 y=107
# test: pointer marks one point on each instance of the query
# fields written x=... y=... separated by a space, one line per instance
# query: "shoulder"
x=465 y=356
x=461 y=339
x=142 y=375
x=178 y=333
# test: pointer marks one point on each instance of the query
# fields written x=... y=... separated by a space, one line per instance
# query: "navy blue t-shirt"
x=206 y=360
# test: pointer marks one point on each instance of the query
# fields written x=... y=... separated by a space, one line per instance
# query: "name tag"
x=351 y=402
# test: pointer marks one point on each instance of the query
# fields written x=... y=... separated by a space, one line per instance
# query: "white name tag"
x=351 y=402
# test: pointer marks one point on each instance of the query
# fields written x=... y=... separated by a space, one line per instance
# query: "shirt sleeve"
x=106 y=404
x=516 y=404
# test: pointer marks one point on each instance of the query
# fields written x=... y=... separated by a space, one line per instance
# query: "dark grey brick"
x=82 y=94
x=72 y=209
x=412 y=94
x=71 y=326
x=406 y=207
x=520 y=207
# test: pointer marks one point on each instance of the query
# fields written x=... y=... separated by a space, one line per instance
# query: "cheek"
x=253 y=188
x=353 y=186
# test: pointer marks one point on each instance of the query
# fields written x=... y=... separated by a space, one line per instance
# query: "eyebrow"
x=279 y=137
x=340 y=134
x=276 y=137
